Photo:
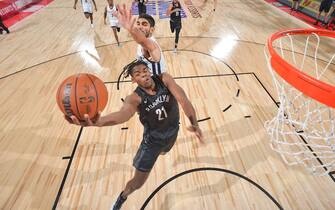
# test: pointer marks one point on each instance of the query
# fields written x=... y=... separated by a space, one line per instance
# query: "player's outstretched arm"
x=128 y=109
x=185 y=103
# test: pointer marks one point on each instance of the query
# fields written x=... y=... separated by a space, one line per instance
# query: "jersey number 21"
x=161 y=113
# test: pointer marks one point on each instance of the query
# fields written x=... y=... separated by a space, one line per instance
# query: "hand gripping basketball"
x=82 y=96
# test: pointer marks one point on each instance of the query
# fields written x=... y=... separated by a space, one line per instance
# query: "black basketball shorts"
x=148 y=153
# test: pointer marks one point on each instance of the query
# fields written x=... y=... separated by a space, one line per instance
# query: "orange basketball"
x=82 y=94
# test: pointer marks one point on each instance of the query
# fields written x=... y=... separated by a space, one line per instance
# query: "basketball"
x=82 y=94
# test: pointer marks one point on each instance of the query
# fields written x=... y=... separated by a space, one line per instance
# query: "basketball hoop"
x=303 y=131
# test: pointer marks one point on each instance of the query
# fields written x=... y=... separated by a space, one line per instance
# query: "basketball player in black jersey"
x=155 y=99
x=174 y=10
x=142 y=8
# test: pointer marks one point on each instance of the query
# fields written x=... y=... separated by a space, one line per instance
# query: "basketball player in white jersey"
x=87 y=8
x=113 y=21
x=141 y=29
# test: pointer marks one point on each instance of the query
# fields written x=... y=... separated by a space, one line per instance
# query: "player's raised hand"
x=197 y=131
x=126 y=19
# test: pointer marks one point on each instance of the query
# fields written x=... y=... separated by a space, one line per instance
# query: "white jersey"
x=113 y=21
x=156 y=68
x=87 y=6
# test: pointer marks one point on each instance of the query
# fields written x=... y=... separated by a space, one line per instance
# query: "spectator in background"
x=324 y=7
x=3 y=27
x=295 y=5
x=331 y=18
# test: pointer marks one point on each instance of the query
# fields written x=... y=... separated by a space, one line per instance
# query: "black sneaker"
x=117 y=205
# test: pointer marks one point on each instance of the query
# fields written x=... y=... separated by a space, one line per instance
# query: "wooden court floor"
x=45 y=163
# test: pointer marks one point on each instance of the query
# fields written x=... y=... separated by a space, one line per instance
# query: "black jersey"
x=158 y=113
x=141 y=2
x=175 y=16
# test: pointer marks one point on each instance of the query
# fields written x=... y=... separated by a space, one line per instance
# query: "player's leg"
x=326 y=10
x=296 y=5
x=293 y=6
x=91 y=18
x=176 y=39
x=87 y=15
x=115 y=34
x=171 y=26
x=144 y=161
x=88 y=11
x=135 y=183
x=322 y=8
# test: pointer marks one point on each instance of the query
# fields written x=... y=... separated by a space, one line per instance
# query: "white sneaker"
x=175 y=50
x=92 y=26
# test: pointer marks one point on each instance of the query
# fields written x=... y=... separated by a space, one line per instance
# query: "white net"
x=303 y=131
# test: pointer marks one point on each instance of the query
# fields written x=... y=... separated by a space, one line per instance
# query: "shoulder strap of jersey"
x=140 y=92
x=158 y=80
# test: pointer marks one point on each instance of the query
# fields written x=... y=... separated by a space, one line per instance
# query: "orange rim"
x=310 y=86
